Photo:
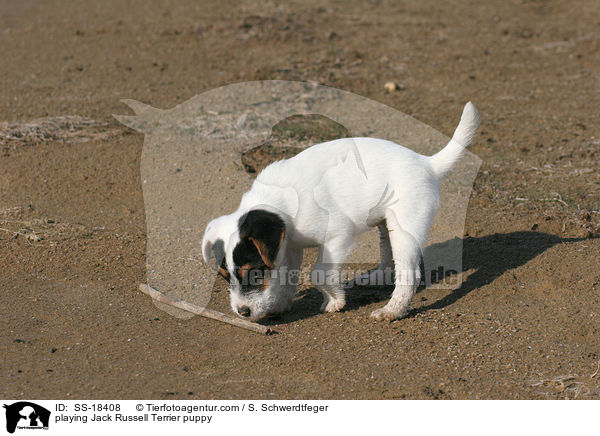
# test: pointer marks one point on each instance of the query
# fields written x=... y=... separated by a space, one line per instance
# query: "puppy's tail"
x=444 y=160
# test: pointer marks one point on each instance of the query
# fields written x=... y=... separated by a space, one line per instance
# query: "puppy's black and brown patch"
x=261 y=235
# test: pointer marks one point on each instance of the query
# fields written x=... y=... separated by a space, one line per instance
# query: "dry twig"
x=208 y=313
x=559 y=199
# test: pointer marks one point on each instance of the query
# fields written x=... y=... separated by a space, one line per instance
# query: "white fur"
x=332 y=192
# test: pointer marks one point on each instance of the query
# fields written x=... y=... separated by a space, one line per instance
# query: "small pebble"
x=393 y=86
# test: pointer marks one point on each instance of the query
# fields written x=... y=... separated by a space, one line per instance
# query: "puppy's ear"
x=212 y=234
x=213 y=246
x=266 y=231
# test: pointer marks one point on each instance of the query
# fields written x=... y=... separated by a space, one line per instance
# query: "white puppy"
x=325 y=196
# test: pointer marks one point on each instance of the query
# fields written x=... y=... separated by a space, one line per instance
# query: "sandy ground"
x=524 y=324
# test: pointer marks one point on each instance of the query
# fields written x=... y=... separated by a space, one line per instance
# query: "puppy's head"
x=250 y=251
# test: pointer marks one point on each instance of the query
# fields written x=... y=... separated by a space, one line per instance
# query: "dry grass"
x=567 y=387
x=70 y=128
x=45 y=231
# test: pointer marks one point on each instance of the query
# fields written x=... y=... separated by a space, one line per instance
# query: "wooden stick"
x=208 y=313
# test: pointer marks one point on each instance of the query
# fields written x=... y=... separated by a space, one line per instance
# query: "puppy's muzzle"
x=244 y=311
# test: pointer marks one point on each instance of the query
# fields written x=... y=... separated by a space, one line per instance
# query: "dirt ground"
x=524 y=324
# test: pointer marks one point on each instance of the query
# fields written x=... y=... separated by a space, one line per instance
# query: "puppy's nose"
x=244 y=311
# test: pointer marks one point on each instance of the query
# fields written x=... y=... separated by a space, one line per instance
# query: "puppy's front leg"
x=326 y=272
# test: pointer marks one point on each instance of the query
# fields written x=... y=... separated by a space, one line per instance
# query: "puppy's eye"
x=256 y=277
x=250 y=276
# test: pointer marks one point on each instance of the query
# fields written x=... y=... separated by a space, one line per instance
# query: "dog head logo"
x=26 y=415
x=191 y=172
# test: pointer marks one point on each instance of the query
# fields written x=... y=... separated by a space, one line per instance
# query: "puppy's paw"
x=386 y=314
x=333 y=305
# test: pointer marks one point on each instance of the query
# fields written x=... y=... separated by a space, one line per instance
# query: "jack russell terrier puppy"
x=324 y=197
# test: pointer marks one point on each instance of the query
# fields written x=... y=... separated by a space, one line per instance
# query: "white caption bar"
x=296 y=417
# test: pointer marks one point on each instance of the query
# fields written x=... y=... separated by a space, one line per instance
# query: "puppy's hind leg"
x=326 y=272
x=379 y=276
x=406 y=249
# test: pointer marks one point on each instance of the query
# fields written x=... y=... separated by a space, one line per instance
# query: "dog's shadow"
x=490 y=256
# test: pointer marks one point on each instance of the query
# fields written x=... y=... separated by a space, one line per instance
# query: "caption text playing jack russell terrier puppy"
x=315 y=200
